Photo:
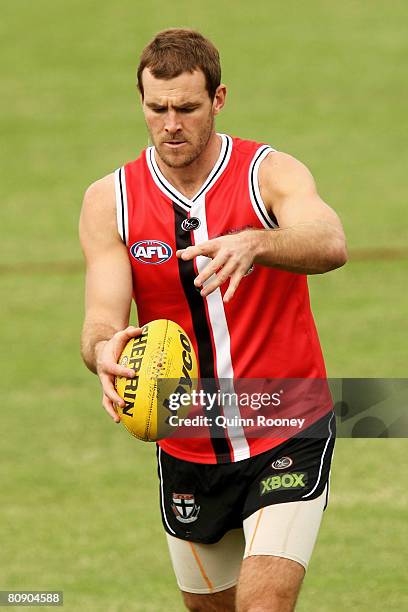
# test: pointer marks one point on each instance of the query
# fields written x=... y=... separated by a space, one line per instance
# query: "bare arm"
x=108 y=290
x=310 y=238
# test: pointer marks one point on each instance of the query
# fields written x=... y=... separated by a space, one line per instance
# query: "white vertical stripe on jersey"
x=256 y=200
x=220 y=333
x=121 y=204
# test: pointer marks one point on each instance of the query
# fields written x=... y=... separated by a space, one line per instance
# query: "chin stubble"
x=186 y=161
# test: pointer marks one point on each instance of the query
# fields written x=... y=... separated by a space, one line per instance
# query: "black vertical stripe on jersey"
x=205 y=355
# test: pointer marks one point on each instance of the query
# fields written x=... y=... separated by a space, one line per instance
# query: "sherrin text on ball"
x=165 y=363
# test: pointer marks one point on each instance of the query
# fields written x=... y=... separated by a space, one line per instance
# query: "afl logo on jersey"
x=190 y=224
x=151 y=251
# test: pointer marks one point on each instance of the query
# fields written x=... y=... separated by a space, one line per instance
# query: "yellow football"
x=165 y=363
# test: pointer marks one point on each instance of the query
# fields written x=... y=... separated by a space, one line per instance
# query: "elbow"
x=88 y=362
x=337 y=254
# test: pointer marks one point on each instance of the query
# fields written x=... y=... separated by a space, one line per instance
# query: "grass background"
x=325 y=81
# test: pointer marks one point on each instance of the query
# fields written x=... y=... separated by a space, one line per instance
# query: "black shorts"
x=201 y=502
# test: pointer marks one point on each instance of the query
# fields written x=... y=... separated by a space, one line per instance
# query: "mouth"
x=175 y=144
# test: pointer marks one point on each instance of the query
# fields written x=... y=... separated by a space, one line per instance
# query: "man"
x=234 y=227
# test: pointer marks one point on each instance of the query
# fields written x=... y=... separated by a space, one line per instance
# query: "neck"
x=188 y=180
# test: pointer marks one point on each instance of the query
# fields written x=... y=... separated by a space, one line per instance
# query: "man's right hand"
x=107 y=353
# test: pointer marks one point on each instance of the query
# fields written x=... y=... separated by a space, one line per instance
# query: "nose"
x=172 y=124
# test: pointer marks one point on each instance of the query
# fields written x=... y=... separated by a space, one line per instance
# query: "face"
x=180 y=115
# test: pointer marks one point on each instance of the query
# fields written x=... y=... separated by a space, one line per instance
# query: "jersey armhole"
x=121 y=204
x=268 y=220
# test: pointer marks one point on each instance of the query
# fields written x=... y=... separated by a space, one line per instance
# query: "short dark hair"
x=178 y=50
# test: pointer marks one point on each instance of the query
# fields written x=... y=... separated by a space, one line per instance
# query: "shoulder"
x=101 y=191
x=249 y=148
x=99 y=197
x=99 y=208
x=281 y=173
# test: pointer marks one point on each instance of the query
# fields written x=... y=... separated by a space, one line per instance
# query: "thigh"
x=268 y=583
x=207 y=568
x=286 y=530
x=279 y=542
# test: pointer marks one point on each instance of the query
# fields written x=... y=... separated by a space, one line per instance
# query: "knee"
x=279 y=597
x=216 y=602
x=277 y=600
x=194 y=607
x=194 y=603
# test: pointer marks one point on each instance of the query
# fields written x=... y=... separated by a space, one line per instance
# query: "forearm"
x=307 y=248
x=92 y=335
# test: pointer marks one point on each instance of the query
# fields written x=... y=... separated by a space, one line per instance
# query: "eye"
x=188 y=109
x=159 y=111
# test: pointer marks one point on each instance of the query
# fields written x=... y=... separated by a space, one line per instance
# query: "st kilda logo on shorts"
x=184 y=507
x=151 y=251
x=190 y=224
x=282 y=463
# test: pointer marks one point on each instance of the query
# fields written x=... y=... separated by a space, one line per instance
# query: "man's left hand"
x=231 y=257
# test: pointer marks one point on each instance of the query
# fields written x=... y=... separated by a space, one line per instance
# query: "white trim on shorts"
x=322 y=458
x=162 y=492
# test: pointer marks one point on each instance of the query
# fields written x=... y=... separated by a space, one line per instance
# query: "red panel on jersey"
x=265 y=332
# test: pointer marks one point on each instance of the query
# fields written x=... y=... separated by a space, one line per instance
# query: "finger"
x=110 y=408
x=189 y=253
x=132 y=331
x=210 y=269
x=233 y=284
x=115 y=369
x=194 y=251
x=121 y=338
x=110 y=391
x=221 y=277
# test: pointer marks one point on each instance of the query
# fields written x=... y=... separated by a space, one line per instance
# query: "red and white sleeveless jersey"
x=265 y=331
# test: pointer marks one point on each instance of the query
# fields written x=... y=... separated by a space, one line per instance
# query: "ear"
x=219 y=98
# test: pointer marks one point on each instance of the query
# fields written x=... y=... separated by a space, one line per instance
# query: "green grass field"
x=324 y=81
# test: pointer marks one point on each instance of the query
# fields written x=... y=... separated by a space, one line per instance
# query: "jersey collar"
x=170 y=191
